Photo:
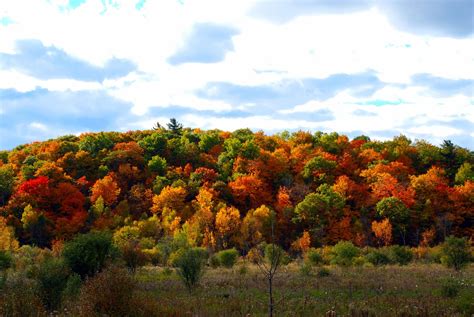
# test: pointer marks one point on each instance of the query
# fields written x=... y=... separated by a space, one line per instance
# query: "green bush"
x=455 y=253
x=377 y=257
x=227 y=258
x=73 y=286
x=450 y=288
x=175 y=257
x=190 y=265
x=306 y=269
x=343 y=253
x=52 y=277
x=313 y=257
x=87 y=253
x=5 y=260
x=434 y=254
x=214 y=261
x=243 y=269
x=323 y=272
x=465 y=304
x=273 y=252
x=401 y=255
x=359 y=261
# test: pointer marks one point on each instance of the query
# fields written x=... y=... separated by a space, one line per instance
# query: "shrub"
x=133 y=255
x=190 y=265
x=73 y=286
x=243 y=269
x=52 y=277
x=323 y=272
x=313 y=257
x=175 y=257
x=227 y=258
x=27 y=257
x=377 y=257
x=359 y=261
x=456 y=253
x=273 y=252
x=18 y=298
x=450 y=288
x=201 y=252
x=214 y=261
x=434 y=254
x=153 y=255
x=465 y=304
x=306 y=269
x=401 y=255
x=343 y=253
x=5 y=260
x=87 y=253
x=112 y=292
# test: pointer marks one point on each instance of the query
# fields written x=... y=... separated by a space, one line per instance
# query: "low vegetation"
x=389 y=281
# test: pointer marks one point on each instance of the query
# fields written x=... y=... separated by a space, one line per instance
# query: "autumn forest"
x=176 y=221
x=221 y=189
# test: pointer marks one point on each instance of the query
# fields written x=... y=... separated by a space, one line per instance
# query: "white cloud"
x=38 y=126
x=311 y=46
x=12 y=79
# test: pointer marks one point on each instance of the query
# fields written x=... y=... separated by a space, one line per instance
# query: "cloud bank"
x=379 y=68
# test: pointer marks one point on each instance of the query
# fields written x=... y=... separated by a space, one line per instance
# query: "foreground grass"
x=413 y=290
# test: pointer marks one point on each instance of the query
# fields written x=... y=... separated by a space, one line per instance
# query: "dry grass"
x=413 y=290
x=382 y=291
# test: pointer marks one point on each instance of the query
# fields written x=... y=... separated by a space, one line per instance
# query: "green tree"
x=464 y=173
x=175 y=127
x=208 y=140
x=455 y=252
x=153 y=144
x=398 y=214
x=316 y=208
x=7 y=179
x=319 y=169
x=157 y=164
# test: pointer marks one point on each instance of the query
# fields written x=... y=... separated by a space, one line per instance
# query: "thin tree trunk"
x=270 y=291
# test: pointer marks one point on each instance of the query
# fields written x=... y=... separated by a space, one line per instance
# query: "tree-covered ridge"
x=221 y=190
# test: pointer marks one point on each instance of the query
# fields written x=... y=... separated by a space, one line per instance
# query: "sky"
x=371 y=67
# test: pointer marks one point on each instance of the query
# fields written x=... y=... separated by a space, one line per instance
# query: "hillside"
x=220 y=189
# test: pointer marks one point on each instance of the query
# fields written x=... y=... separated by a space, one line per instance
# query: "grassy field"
x=414 y=290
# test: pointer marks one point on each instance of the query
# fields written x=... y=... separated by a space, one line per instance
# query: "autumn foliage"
x=224 y=190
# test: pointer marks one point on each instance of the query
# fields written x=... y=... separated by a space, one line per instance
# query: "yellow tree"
x=382 y=231
x=256 y=225
x=170 y=198
x=227 y=225
x=200 y=226
x=7 y=236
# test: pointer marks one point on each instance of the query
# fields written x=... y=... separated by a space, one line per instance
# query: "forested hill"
x=222 y=189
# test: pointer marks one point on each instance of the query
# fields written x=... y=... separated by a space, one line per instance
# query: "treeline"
x=222 y=190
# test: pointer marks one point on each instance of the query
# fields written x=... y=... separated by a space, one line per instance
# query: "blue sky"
x=373 y=67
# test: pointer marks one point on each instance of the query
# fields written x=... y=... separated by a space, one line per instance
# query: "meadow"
x=88 y=277
x=414 y=290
